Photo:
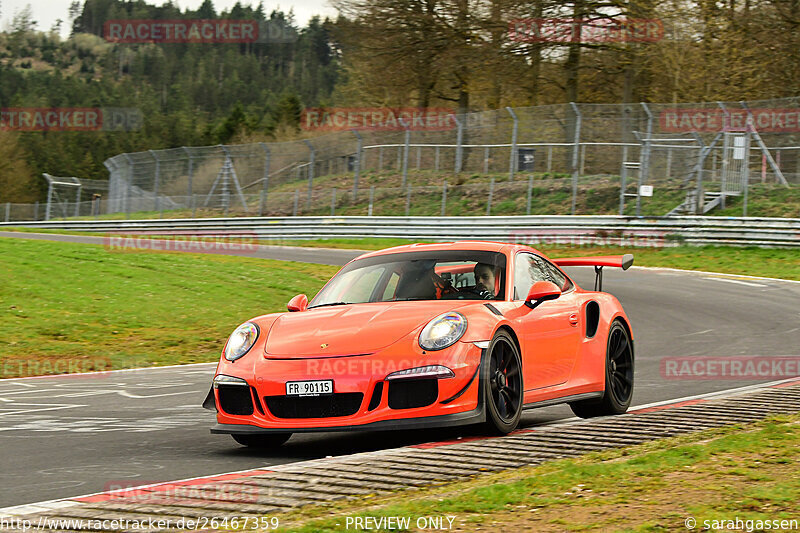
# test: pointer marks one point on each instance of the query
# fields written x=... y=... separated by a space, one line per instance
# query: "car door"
x=548 y=333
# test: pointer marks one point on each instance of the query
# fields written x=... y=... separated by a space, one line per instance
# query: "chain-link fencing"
x=554 y=159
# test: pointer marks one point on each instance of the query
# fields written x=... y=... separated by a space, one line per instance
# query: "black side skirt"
x=565 y=399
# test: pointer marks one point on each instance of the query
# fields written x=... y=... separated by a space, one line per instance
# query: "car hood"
x=354 y=329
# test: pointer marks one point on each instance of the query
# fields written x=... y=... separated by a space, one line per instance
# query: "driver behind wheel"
x=485 y=280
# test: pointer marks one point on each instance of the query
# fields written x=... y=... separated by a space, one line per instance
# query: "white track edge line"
x=79 y=374
x=728 y=274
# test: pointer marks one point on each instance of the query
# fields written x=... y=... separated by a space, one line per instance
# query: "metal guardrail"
x=594 y=230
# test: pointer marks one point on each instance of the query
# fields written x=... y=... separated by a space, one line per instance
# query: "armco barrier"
x=627 y=231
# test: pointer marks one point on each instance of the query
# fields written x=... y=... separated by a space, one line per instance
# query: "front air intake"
x=235 y=400
x=328 y=406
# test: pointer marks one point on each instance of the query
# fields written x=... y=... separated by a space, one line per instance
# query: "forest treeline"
x=454 y=53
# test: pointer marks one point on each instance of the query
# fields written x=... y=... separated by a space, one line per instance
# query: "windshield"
x=433 y=275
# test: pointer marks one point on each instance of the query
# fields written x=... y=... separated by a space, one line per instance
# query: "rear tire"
x=502 y=385
x=261 y=440
x=619 y=377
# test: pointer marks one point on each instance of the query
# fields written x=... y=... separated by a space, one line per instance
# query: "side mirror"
x=541 y=292
x=298 y=303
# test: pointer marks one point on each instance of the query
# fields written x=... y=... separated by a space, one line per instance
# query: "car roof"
x=488 y=246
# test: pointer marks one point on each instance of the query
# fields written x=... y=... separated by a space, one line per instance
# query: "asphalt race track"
x=73 y=435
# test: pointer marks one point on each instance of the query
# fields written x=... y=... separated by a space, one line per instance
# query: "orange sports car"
x=428 y=335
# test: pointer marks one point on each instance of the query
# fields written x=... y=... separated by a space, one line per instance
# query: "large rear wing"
x=598 y=262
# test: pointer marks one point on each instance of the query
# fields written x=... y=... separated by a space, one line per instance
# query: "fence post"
x=623 y=178
x=549 y=158
x=78 y=202
x=746 y=165
x=669 y=163
x=380 y=158
x=436 y=158
x=371 y=199
x=127 y=200
x=405 y=150
x=333 y=201
x=36 y=210
x=723 y=174
x=265 y=185
x=193 y=200
x=491 y=194
x=156 y=202
x=191 y=170
x=530 y=193
x=296 y=201
x=698 y=193
x=419 y=157
x=459 y=143
x=575 y=150
x=512 y=164
x=48 y=208
x=408 y=199
x=444 y=196
x=311 y=161
x=486 y=160
x=644 y=165
x=357 y=163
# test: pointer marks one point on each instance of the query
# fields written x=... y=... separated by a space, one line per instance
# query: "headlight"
x=240 y=341
x=443 y=331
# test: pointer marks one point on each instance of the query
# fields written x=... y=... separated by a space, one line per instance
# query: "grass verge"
x=745 y=472
x=468 y=195
x=78 y=307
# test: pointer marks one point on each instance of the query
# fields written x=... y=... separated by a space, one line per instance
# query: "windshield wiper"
x=328 y=304
x=410 y=299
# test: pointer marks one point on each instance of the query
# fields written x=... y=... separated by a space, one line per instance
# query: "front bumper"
x=453 y=401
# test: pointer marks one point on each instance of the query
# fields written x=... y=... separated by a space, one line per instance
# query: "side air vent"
x=377 y=394
x=256 y=400
x=592 y=318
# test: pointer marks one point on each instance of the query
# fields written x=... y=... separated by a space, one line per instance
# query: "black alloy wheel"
x=502 y=382
x=619 y=377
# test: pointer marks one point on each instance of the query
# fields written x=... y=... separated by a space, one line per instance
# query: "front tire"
x=502 y=385
x=619 y=377
x=262 y=440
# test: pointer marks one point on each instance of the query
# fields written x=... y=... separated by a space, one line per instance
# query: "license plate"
x=309 y=388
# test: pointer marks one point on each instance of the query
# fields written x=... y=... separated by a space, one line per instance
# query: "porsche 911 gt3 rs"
x=428 y=335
